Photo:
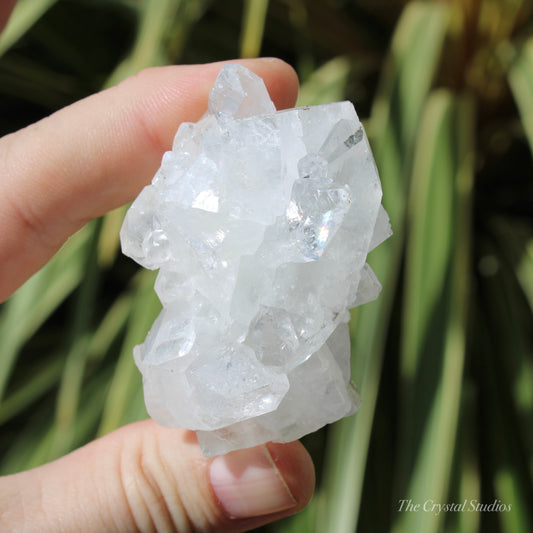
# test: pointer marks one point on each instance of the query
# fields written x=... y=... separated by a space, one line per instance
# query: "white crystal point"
x=260 y=223
x=239 y=93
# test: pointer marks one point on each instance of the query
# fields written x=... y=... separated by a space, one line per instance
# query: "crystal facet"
x=259 y=223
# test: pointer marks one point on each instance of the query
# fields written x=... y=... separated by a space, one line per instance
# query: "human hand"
x=57 y=174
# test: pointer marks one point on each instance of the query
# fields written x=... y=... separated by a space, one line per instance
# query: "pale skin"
x=57 y=174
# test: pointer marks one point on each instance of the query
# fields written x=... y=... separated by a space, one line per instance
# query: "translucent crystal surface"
x=259 y=223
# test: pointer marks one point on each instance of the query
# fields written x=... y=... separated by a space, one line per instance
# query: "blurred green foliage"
x=443 y=359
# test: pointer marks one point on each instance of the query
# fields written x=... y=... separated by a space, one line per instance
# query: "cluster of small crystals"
x=259 y=223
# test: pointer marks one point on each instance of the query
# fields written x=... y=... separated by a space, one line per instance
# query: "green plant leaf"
x=521 y=83
x=429 y=234
x=401 y=97
x=253 y=26
x=24 y=16
x=505 y=430
x=406 y=79
x=432 y=401
x=326 y=84
x=155 y=19
x=109 y=329
x=33 y=444
x=37 y=299
x=35 y=386
x=126 y=385
x=69 y=393
x=469 y=483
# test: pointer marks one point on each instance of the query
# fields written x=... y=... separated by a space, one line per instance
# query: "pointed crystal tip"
x=238 y=93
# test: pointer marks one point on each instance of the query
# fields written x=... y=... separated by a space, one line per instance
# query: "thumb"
x=143 y=477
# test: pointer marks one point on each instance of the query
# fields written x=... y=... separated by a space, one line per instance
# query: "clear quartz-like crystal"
x=259 y=223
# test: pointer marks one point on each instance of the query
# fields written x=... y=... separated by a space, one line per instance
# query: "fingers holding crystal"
x=265 y=219
x=143 y=477
x=97 y=154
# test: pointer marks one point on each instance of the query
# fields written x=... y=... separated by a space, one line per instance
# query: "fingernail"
x=247 y=483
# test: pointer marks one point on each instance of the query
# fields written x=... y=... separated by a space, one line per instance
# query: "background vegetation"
x=444 y=358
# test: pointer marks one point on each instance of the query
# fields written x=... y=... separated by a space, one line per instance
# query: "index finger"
x=97 y=154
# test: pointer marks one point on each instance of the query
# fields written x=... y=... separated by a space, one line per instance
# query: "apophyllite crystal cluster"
x=259 y=223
